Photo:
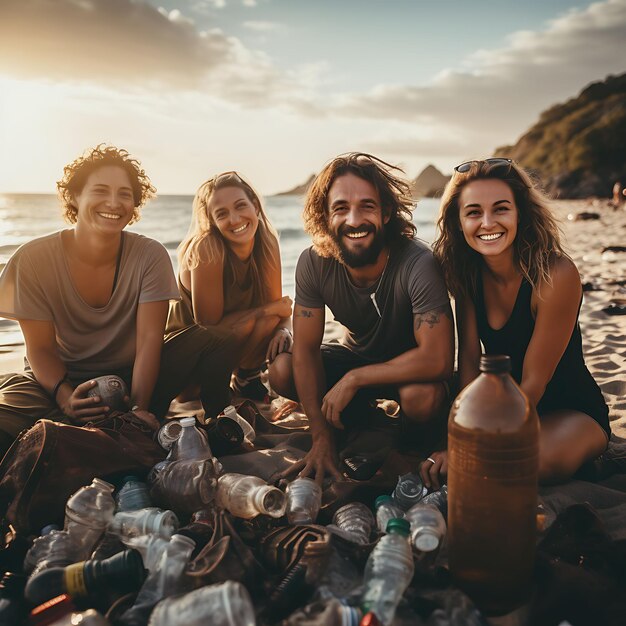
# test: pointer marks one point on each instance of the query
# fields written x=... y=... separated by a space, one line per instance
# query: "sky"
x=276 y=88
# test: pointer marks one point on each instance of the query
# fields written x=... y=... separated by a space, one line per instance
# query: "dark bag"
x=50 y=461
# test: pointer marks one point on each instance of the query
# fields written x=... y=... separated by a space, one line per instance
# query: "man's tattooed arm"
x=304 y=313
x=432 y=317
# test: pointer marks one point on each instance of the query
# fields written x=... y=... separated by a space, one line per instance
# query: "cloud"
x=501 y=91
x=261 y=26
x=129 y=44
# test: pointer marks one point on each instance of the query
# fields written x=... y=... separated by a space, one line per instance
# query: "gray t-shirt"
x=36 y=285
x=412 y=283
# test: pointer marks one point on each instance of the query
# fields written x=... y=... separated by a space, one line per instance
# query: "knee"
x=422 y=403
x=281 y=375
x=554 y=468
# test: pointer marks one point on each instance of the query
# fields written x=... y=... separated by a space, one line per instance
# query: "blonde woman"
x=230 y=279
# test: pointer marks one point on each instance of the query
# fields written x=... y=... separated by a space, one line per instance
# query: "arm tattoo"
x=432 y=317
x=304 y=313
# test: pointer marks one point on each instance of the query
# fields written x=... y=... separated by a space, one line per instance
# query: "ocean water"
x=26 y=216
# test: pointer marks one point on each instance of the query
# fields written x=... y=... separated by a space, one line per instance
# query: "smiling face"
x=488 y=216
x=355 y=220
x=234 y=215
x=105 y=203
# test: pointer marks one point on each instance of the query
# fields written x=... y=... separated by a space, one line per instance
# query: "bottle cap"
x=398 y=526
x=426 y=541
x=495 y=363
x=188 y=421
x=382 y=500
x=370 y=619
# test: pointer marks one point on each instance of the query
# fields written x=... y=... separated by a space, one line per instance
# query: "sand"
x=604 y=336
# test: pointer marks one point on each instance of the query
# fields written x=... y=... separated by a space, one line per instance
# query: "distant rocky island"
x=578 y=148
x=299 y=190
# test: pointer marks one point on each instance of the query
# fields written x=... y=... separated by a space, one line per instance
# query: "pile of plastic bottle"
x=121 y=560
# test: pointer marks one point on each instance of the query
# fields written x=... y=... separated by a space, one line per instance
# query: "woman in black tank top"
x=518 y=293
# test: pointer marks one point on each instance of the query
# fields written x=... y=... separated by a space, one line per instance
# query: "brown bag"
x=51 y=460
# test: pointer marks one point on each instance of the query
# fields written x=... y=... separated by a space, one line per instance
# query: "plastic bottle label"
x=75 y=580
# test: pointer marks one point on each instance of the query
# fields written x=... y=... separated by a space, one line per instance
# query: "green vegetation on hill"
x=578 y=148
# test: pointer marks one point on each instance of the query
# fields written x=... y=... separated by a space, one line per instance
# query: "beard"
x=364 y=256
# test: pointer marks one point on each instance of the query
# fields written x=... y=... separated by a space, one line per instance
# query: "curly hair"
x=75 y=176
x=205 y=244
x=395 y=196
x=538 y=238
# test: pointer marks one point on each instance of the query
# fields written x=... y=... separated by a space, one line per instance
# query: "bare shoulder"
x=564 y=282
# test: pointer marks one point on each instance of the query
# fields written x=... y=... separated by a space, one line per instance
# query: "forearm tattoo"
x=432 y=317
x=304 y=313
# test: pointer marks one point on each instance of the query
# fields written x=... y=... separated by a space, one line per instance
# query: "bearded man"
x=384 y=286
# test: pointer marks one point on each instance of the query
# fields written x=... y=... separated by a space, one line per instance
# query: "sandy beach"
x=603 y=273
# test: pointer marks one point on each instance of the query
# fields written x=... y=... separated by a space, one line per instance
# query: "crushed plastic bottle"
x=248 y=432
x=304 y=499
x=386 y=509
x=133 y=494
x=409 y=491
x=166 y=580
x=428 y=528
x=356 y=520
x=151 y=548
x=88 y=512
x=388 y=572
x=127 y=524
x=249 y=496
x=225 y=604
x=169 y=433
x=191 y=444
x=56 y=549
x=439 y=499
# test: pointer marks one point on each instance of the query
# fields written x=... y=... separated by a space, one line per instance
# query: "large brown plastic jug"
x=493 y=462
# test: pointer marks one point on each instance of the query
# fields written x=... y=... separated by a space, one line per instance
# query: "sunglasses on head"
x=467 y=165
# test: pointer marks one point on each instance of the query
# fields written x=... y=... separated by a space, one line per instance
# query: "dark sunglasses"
x=467 y=165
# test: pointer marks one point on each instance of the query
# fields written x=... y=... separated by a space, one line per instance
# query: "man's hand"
x=319 y=461
x=82 y=409
x=431 y=473
x=337 y=398
x=280 y=342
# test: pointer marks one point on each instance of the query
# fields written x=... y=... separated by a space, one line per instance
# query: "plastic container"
x=492 y=483
x=386 y=509
x=56 y=549
x=388 y=572
x=356 y=520
x=249 y=496
x=304 y=499
x=248 y=431
x=409 y=491
x=88 y=512
x=127 y=524
x=151 y=548
x=191 y=444
x=438 y=499
x=169 y=433
x=428 y=528
x=133 y=494
x=226 y=604
x=166 y=580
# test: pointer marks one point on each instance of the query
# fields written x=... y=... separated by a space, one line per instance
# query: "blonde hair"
x=394 y=192
x=205 y=244
x=538 y=238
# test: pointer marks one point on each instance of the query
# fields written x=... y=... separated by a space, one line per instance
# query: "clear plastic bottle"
x=169 y=433
x=88 y=512
x=191 y=444
x=166 y=580
x=438 y=499
x=388 y=572
x=133 y=494
x=409 y=491
x=151 y=548
x=304 y=499
x=127 y=524
x=356 y=520
x=248 y=431
x=386 y=509
x=249 y=496
x=428 y=528
x=225 y=604
x=56 y=549
x=492 y=481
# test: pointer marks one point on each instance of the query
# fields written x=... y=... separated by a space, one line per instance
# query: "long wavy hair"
x=538 y=238
x=395 y=196
x=76 y=173
x=205 y=244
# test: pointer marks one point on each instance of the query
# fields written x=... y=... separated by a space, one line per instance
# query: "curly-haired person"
x=93 y=300
x=386 y=289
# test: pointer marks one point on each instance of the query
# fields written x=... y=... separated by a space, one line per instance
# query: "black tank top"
x=572 y=386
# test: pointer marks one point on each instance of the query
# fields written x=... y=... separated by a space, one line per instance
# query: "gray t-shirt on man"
x=412 y=283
